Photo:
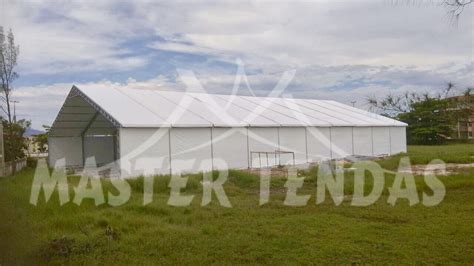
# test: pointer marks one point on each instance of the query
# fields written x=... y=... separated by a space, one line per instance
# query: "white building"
x=152 y=131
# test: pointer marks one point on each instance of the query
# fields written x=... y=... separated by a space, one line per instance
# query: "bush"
x=14 y=142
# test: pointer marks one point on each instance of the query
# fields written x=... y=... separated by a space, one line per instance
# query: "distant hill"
x=30 y=132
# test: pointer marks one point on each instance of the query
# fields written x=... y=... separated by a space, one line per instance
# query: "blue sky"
x=341 y=50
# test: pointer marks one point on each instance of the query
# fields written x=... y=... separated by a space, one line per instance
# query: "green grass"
x=245 y=234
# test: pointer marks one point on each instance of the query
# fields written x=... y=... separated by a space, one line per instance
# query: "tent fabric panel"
x=350 y=114
x=319 y=143
x=333 y=120
x=398 y=140
x=100 y=123
x=312 y=117
x=143 y=110
x=284 y=114
x=72 y=120
x=68 y=148
x=294 y=140
x=363 y=141
x=76 y=101
x=77 y=109
x=191 y=150
x=381 y=138
x=256 y=109
x=273 y=111
x=206 y=111
x=325 y=109
x=71 y=124
x=240 y=116
x=263 y=140
x=173 y=113
x=341 y=142
x=100 y=131
x=72 y=117
x=101 y=148
x=66 y=132
x=122 y=108
x=230 y=146
x=144 y=151
x=383 y=119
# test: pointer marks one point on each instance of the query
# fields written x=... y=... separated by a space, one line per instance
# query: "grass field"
x=246 y=233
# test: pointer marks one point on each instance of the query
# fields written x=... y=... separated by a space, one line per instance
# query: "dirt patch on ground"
x=438 y=169
x=274 y=171
x=417 y=169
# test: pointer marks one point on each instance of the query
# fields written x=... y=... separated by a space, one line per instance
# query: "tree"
x=456 y=7
x=431 y=119
x=8 y=61
x=14 y=142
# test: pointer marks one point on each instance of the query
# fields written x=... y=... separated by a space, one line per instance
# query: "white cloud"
x=69 y=38
x=328 y=33
x=181 y=48
x=341 y=50
x=79 y=36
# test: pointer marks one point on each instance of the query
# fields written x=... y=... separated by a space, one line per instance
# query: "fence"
x=9 y=167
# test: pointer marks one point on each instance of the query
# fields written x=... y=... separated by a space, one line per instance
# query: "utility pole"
x=353 y=103
x=14 y=110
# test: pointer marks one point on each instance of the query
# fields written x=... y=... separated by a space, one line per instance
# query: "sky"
x=340 y=50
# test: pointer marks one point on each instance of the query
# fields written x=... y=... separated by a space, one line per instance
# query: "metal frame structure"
x=82 y=130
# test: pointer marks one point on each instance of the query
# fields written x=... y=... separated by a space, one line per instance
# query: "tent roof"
x=157 y=108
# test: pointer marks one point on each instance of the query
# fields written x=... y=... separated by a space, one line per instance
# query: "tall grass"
x=247 y=233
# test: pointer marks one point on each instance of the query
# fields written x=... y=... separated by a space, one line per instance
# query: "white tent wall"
x=363 y=141
x=398 y=140
x=318 y=142
x=144 y=151
x=381 y=140
x=101 y=148
x=263 y=140
x=191 y=150
x=68 y=148
x=341 y=142
x=293 y=139
x=230 y=146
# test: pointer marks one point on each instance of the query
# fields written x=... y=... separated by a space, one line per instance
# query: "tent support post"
x=372 y=137
x=279 y=156
x=83 y=133
x=353 y=141
x=330 y=142
x=306 y=143
x=390 y=139
x=114 y=140
x=249 y=163
x=169 y=150
x=117 y=151
x=212 y=152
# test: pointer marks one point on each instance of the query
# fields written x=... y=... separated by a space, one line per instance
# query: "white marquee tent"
x=142 y=131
